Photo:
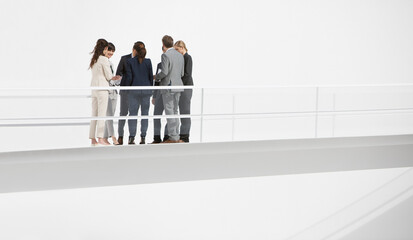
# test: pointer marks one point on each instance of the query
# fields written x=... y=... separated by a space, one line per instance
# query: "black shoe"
x=131 y=141
x=184 y=137
x=165 y=138
x=156 y=139
x=173 y=141
x=142 y=140
x=120 y=141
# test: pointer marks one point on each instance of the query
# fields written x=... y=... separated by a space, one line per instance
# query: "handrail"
x=73 y=121
x=76 y=120
x=209 y=87
x=325 y=112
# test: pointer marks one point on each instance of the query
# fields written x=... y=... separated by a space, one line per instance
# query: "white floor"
x=338 y=188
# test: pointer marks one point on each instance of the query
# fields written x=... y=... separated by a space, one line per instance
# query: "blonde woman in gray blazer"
x=101 y=75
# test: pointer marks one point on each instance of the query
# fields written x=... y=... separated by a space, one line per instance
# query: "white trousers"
x=99 y=108
x=109 y=131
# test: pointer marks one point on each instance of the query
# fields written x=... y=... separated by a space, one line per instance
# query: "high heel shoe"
x=115 y=142
x=102 y=141
x=93 y=142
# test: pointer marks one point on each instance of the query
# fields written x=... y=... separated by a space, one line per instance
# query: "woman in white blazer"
x=101 y=75
x=113 y=98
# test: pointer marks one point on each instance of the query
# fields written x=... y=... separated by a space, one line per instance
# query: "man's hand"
x=154 y=77
x=153 y=101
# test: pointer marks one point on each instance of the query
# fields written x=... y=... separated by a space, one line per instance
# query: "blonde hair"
x=181 y=44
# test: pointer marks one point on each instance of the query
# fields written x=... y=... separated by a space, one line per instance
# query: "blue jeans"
x=138 y=100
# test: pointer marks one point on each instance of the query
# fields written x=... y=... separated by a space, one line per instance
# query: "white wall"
x=46 y=42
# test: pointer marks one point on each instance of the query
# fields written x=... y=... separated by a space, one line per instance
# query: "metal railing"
x=317 y=112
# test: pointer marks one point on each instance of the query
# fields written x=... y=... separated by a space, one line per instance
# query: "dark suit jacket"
x=121 y=70
x=157 y=93
x=187 y=78
x=139 y=74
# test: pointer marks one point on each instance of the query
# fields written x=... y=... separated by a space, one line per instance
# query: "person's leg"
x=111 y=129
x=145 y=103
x=169 y=101
x=166 y=134
x=133 y=111
x=158 y=110
x=165 y=131
x=102 y=109
x=124 y=110
x=176 y=112
x=92 y=128
x=185 y=108
x=138 y=98
x=108 y=123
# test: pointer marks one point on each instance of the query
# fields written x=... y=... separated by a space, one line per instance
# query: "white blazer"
x=101 y=73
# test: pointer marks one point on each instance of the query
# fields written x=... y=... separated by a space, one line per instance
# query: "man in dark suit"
x=158 y=110
x=124 y=109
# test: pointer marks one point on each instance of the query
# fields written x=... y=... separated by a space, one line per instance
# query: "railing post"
x=316 y=113
x=334 y=115
x=202 y=114
x=233 y=118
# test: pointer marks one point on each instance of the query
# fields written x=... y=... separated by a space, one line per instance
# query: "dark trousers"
x=158 y=110
x=185 y=108
x=124 y=110
x=138 y=100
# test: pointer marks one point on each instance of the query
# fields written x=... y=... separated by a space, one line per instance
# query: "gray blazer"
x=172 y=69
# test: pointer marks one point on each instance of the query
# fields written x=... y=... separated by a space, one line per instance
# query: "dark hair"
x=101 y=44
x=167 y=41
x=140 y=51
x=111 y=47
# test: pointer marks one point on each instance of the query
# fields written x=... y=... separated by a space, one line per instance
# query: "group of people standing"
x=175 y=69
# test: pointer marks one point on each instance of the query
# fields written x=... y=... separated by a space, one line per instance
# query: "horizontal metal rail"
x=6 y=93
x=45 y=96
x=54 y=121
x=206 y=87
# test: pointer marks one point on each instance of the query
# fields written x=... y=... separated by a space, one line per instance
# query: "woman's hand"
x=117 y=77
